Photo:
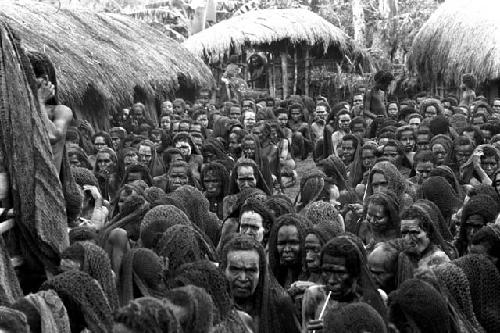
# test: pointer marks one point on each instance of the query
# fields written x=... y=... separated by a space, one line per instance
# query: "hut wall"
x=494 y=90
x=94 y=108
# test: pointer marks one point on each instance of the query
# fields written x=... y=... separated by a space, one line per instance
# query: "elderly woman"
x=427 y=246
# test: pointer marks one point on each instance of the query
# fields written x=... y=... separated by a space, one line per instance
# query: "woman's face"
x=73 y=160
x=439 y=151
x=392 y=110
x=312 y=248
x=377 y=218
x=415 y=235
x=123 y=197
x=131 y=159
x=234 y=144
x=165 y=123
x=472 y=225
x=288 y=245
x=212 y=184
x=178 y=176
x=249 y=147
x=104 y=162
x=430 y=112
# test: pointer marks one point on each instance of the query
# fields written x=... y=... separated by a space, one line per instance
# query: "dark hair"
x=463 y=140
x=221 y=172
x=198 y=113
x=451 y=99
x=469 y=80
x=488 y=234
x=357 y=120
x=344 y=248
x=179 y=101
x=138 y=168
x=424 y=156
x=353 y=138
x=489 y=151
x=406 y=128
x=106 y=136
x=343 y=112
x=325 y=104
x=43 y=67
x=383 y=77
x=478 y=136
x=425 y=222
x=257 y=206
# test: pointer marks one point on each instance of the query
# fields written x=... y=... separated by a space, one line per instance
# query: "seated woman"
x=149 y=158
x=346 y=278
x=190 y=152
x=287 y=171
x=336 y=177
x=478 y=212
x=137 y=172
x=382 y=221
x=215 y=184
x=394 y=152
x=286 y=248
x=106 y=172
x=311 y=188
x=418 y=307
x=426 y=245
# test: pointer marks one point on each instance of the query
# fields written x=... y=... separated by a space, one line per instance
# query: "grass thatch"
x=267 y=26
x=462 y=36
x=110 y=53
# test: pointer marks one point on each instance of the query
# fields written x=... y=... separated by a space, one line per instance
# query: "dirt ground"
x=303 y=167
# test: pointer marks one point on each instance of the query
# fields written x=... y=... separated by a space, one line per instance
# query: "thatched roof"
x=267 y=26
x=462 y=36
x=109 y=53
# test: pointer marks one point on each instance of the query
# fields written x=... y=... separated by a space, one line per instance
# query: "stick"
x=10 y=212
x=6 y=225
x=324 y=307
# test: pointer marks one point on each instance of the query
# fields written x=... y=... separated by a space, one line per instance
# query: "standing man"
x=357 y=105
x=58 y=116
x=320 y=115
x=375 y=99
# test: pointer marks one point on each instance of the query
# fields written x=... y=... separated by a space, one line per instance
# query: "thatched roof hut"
x=267 y=27
x=105 y=61
x=462 y=36
x=296 y=38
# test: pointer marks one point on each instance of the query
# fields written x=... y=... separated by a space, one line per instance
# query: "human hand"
x=315 y=324
x=46 y=90
x=4 y=185
x=85 y=124
x=356 y=208
x=476 y=157
x=94 y=191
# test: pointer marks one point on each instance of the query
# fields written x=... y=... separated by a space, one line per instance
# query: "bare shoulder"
x=63 y=112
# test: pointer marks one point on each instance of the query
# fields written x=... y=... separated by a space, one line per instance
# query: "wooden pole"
x=284 y=71
x=307 y=72
x=296 y=71
x=270 y=75
x=274 y=77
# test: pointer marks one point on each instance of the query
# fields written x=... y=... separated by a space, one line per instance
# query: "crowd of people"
x=187 y=224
